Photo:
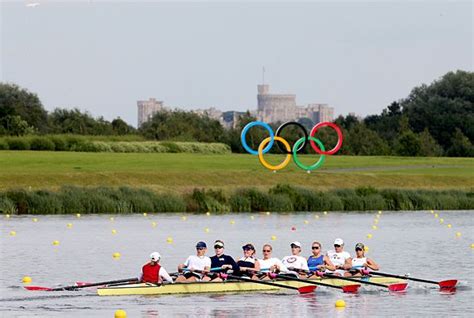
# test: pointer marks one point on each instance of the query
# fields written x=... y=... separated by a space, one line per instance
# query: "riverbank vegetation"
x=280 y=198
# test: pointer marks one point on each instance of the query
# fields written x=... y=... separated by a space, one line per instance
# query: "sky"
x=103 y=56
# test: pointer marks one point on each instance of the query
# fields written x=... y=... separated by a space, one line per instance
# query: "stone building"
x=147 y=108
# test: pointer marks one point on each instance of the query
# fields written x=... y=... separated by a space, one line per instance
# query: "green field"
x=165 y=172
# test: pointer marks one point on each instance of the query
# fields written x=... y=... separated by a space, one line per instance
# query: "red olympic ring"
x=339 y=138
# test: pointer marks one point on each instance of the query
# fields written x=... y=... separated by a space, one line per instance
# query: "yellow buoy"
x=120 y=314
x=112 y=218
x=69 y=225
x=449 y=226
x=376 y=221
x=184 y=218
x=325 y=212
x=316 y=216
x=432 y=211
x=7 y=216
x=369 y=236
x=458 y=234
x=154 y=224
x=436 y=215
x=273 y=237
x=306 y=222
x=56 y=243
x=441 y=221
x=380 y=212
x=114 y=231
x=206 y=230
x=267 y=213
x=116 y=255
x=12 y=233
x=366 y=248
x=340 y=303
x=26 y=280
x=377 y=216
x=374 y=227
x=169 y=240
x=35 y=220
x=252 y=217
x=78 y=215
x=472 y=245
x=145 y=214
x=232 y=222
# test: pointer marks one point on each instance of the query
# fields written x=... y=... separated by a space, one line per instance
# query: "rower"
x=248 y=264
x=360 y=262
x=197 y=265
x=339 y=257
x=153 y=272
x=272 y=264
x=225 y=262
x=319 y=261
x=296 y=263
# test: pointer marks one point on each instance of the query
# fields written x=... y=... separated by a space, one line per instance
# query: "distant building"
x=228 y=119
x=147 y=108
x=272 y=108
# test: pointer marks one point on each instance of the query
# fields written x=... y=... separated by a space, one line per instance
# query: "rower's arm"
x=372 y=265
x=328 y=264
x=347 y=263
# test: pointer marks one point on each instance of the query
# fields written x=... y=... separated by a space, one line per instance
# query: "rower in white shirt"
x=340 y=258
x=197 y=265
x=294 y=262
x=270 y=264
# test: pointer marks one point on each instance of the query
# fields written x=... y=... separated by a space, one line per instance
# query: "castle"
x=271 y=108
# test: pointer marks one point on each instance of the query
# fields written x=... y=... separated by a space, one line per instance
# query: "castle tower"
x=147 y=108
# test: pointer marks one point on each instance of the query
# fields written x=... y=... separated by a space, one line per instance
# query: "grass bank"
x=181 y=173
x=280 y=198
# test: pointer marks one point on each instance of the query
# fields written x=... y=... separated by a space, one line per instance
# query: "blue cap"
x=201 y=244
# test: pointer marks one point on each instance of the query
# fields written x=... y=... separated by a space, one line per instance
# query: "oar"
x=391 y=287
x=301 y=290
x=74 y=287
x=444 y=284
x=346 y=289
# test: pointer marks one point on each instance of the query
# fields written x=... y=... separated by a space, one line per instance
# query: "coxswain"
x=339 y=257
x=248 y=264
x=153 y=272
x=222 y=261
x=318 y=261
x=271 y=265
x=360 y=262
x=196 y=266
x=294 y=262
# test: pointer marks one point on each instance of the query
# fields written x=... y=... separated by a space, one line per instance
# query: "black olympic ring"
x=278 y=133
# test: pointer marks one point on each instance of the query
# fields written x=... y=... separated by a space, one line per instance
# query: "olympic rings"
x=339 y=138
x=246 y=129
x=299 y=145
x=266 y=164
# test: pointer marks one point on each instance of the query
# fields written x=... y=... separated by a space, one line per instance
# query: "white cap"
x=155 y=256
x=296 y=243
x=339 y=241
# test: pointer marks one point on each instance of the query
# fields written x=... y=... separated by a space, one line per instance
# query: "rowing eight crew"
x=198 y=267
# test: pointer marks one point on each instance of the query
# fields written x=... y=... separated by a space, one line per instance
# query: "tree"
x=460 y=145
x=120 y=127
x=15 y=126
x=428 y=145
x=408 y=144
x=16 y=101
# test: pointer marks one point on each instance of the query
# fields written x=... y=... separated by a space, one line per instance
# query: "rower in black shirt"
x=225 y=262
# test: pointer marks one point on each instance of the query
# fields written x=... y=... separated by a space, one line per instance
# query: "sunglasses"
x=315 y=247
x=336 y=245
x=248 y=249
x=200 y=248
x=358 y=249
x=294 y=246
x=218 y=246
x=266 y=251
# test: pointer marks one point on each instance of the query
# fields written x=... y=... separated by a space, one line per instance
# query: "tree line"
x=433 y=120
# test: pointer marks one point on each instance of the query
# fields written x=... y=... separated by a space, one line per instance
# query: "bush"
x=3 y=145
x=42 y=143
x=18 y=143
x=60 y=143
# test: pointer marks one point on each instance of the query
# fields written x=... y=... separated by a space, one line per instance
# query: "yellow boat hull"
x=222 y=287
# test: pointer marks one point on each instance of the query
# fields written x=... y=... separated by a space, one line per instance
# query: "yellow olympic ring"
x=266 y=164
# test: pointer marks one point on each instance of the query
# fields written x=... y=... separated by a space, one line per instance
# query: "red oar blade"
x=37 y=288
x=446 y=284
x=82 y=283
x=397 y=287
x=307 y=289
x=350 y=288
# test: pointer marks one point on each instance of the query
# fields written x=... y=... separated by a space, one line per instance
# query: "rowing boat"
x=223 y=287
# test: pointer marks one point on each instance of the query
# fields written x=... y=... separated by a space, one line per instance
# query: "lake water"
x=404 y=242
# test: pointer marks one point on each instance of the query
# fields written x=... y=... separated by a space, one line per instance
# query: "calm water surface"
x=405 y=242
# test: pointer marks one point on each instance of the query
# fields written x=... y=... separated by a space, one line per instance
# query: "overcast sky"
x=356 y=56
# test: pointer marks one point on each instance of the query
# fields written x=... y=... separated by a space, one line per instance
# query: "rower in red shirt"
x=152 y=272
